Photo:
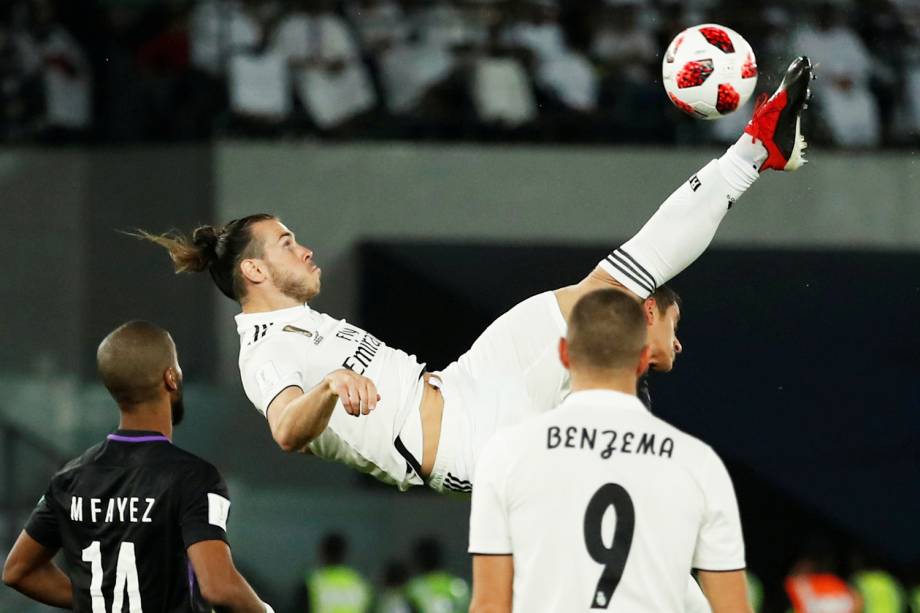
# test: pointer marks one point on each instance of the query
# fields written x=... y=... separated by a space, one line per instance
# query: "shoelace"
x=762 y=99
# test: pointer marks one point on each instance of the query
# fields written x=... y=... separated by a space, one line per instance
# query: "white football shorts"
x=510 y=373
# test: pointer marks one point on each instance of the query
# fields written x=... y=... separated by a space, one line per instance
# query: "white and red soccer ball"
x=709 y=71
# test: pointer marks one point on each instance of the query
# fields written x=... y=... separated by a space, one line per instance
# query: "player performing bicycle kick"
x=329 y=388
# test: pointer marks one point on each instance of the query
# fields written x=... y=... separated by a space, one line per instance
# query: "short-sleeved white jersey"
x=601 y=503
x=298 y=347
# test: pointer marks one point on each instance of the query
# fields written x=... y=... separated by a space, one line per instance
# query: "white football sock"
x=741 y=163
x=684 y=225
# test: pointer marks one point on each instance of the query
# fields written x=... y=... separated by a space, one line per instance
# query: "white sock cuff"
x=738 y=173
x=627 y=271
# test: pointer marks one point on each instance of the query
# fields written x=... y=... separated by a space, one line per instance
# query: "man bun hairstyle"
x=217 y=249
x=607 y=331
x=205 y=240
x=333 y=549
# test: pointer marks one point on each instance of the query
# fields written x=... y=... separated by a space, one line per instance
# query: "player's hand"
x=357 y=393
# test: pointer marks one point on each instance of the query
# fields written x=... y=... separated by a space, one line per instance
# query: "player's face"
x=662 y=338
x=290 y=265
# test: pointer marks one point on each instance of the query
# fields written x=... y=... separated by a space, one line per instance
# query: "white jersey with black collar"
x=297 y=347
x=612 y=503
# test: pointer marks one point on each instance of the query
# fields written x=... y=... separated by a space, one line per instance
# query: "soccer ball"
x=709 y=71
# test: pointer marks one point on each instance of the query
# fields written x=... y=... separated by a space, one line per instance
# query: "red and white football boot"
x=777 y=121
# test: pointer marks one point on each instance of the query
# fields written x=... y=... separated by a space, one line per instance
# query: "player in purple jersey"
x=141 y=523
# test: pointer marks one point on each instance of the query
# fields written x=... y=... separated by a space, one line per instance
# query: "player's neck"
x=257 y=302
x=615 y=381
x=148 y=416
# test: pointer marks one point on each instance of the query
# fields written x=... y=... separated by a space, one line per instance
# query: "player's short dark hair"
x=395 y=574
x=607 y=331
x=428 y=554
x=333 y=548
x=217 y=249
x=132 y=359
x=666 y=297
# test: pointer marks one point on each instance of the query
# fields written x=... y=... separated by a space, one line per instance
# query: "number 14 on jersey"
x=125 y=579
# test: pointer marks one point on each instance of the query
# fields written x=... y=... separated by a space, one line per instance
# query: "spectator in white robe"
x=220 y=28
x=379 y=24
x=230 y=36
x=329 y=76
x=842 y=93
x=558 y=69
x=67 y=75
x=21 y=89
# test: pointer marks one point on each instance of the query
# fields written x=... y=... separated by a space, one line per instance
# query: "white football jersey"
x=298 y=347
x=603 y=506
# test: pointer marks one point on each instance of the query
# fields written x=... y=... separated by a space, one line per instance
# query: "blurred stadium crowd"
x=819 y=581
x=114 y=71
x=421 y=585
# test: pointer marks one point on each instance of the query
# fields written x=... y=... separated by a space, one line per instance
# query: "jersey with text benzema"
x=612 y=504
x=124 y=514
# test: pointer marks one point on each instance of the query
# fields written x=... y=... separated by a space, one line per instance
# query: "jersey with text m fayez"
x=124 y=514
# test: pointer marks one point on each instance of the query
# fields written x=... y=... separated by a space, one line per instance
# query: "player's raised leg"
x=684 y=225
x=518 y=350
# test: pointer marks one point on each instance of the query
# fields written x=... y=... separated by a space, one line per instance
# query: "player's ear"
x=564 y=352
x=253 y=270
x=644 y=358
x=650 y=306
x=171 y=379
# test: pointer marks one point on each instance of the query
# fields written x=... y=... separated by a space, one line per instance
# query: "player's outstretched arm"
x=493 y=578
x=297 y=417
x=726 y=591
x=221 y=584
x=29 y=569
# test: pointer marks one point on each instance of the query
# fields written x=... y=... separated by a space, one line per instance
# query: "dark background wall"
x=801 y=368
x=157 y=190
x=73 y=274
